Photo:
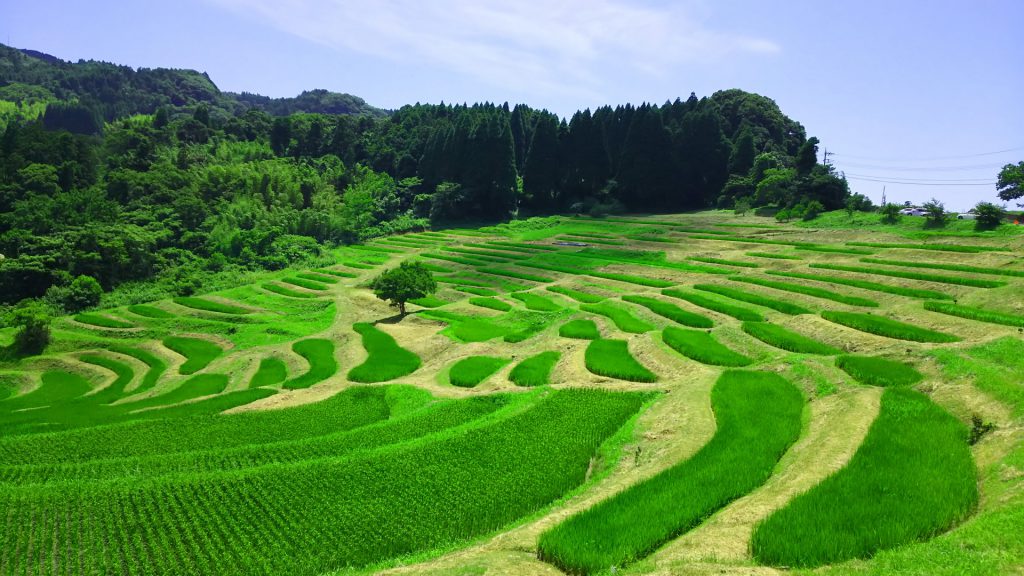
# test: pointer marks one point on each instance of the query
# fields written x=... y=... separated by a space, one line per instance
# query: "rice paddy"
x=217 y=433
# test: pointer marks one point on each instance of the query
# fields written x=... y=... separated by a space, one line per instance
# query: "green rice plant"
x=974 y=313
x=807 y=291
x=462 y=281
x=156 y=366
x=701 y=346
x=198 y=353
x=491 y=303
x=652 y=259
x=456 y=259
x=54 y=386
x=587 y=239
x=580 y=329
x=865 y=285
x=720 y=306
x=272 y=371
x=195 y=387
x=323 y=275
x=788 y=340
x=535 y=370
x=633 y=279
x=357 y=265
x=958 y=280
x=611 y=358
x=125 y=374
x=476 y=290
x=381 y=500
x=516 y=274
x=938 y=247
x=944 y=266
x=994 y=368
x=489 y=255
x=429 y=301
x=536 y=302
x=379 y=249
x=877 y=371
x=304 y=283
x=327 y=277
x=521 y=246
x=469 y=372
x=887 y=327
x=836 y=250
x=890 y=494
x=150 y=312
x=285 y=291
x=435 y=267
x=577 y=295
x=102 y=321
x=322 y=365
x=746 y=240
x=624 y=319
x=725 y=262
x=466 y=328
x=758 y=417
x=209 y=305
x=593 y=235
x=386 y=360
x=773 y=255
x=751 y=298
x=476 y=255
x=670 y=311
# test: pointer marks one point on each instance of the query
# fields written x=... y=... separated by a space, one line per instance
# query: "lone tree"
x=1010 y=185
x=399 y=285
x=934 y=213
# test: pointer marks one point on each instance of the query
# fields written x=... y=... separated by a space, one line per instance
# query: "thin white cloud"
x=561 y=46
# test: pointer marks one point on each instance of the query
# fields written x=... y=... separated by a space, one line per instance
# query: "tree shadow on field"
x=392 y=319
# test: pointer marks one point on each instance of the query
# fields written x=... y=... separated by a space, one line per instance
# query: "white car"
x=967 y=216
x=912 y=212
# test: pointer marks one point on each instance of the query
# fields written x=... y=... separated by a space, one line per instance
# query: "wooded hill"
x=123 y=174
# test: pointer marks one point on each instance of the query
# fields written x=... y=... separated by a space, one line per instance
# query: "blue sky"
x=901 y=92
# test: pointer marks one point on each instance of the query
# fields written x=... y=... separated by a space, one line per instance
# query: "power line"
x=941 y=180
x=933 y=159
x=992 y=167
x=919 y=183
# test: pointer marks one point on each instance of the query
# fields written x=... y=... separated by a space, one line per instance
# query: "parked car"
x=912 y=212
x=969 y=215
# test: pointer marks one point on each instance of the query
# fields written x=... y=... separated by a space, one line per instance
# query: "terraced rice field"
x=665 y=399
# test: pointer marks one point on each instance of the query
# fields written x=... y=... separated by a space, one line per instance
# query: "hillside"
x=703 y=393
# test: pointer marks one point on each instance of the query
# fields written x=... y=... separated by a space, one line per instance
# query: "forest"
x=155 y=181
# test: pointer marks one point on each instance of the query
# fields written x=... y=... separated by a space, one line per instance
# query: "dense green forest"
x=126 y=175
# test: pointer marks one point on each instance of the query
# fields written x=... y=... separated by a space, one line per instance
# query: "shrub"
x=535 y=370
x=783 y=215
x=579 y=329
x=988 y=216
x=889 y=494
x=934 y=213
x=780 y=337
x=702 y=347
x=812 y=210
x=890 y=213
x=473 y=370
x=887 y=327
x=876 y=371
x=611 y=358
x=33 y=335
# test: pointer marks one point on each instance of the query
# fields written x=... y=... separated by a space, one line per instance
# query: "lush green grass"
x=357 y=265
x=887 y=327
x=779 y=337
x=836 y=250
x=958 y=280
x=477 y=290
x=285 y=291
x=326 y=277
x=624 y=320
x=272 y=371
x=581 y=329
x=456 y=259
x=488 y=255
x=577 y=295
x=944 y=266
x=670 y=311
x=323 y=514
x=720 y=306
x=491 y=303
x=701 y=346
x=725 y=262
x=102 y=321
x=322 y=365
x=147 y=311
x=386 y=360
x=974 y=313
x=783 y=306
x=807 y=291
x=536 y=302
x=758 y=417
x=195 y=387
x=55 y=386
x=912 y=478
x=877 y=371
x=209 y=305
x=156 y=366
x=198 y=353
x=611 y=358
x=587 y=239
x=429 y=301
x=773 y=255
x=304 y=283
x=473 y=370
x=535 y=370
x=866 y=285
x=994 y=368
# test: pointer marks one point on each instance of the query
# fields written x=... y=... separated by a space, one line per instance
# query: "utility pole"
x=883 y=195
x=825 y=157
